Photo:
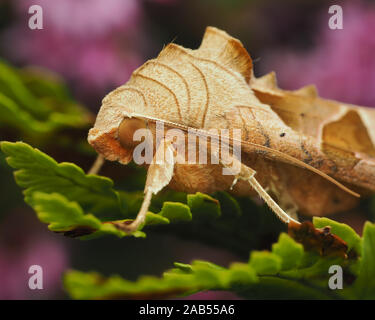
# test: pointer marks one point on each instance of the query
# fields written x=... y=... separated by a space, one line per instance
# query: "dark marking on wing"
x=333 y=167
x=309 y=158
x=318 y=163
x=267 y=143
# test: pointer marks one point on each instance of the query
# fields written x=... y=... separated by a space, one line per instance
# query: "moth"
x=299 y=152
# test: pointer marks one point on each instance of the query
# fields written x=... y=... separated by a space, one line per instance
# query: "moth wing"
x=344 y=126
x=344 y=133
x=219 y=46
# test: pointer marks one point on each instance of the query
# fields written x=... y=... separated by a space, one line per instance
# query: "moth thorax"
x=126 y=131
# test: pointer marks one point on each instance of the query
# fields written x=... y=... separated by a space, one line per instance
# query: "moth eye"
x=126 y=131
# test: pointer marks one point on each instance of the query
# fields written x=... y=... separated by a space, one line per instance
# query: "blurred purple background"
x=95 y=45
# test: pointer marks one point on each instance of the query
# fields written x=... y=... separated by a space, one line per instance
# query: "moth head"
x=127 y=131
x=115 y=125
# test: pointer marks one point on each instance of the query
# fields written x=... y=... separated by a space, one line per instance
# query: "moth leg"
x=248 y=174
x=284 y=199
x=97 y=165
x=159 y=174
x=281 y=214
x=292 y=212
x=141 y=216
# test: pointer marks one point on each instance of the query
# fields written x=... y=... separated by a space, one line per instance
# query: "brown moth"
x=295 y=146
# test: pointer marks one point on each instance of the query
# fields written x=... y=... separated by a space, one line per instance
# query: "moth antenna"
x=97 y=165
x=303 y=165
x=270 y=150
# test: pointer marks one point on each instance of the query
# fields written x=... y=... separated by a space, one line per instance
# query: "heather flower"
x=84 y=18
x=342 y=65
x=92 y=43
x=23 y=247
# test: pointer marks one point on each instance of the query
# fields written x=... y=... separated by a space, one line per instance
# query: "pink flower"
x=90 y=63
x=84 y=18
x=26 y=245
x=342 y=65
x=93 y=43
